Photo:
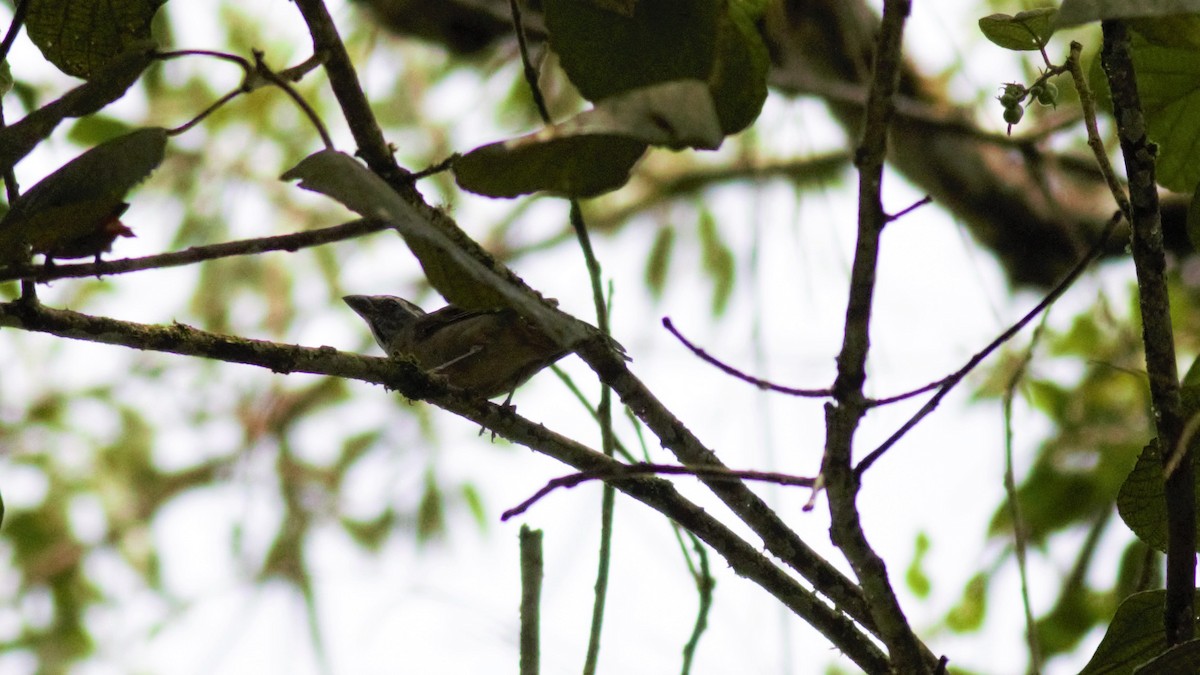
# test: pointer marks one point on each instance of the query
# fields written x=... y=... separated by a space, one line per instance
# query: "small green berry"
x=1013 y=114
x=1013 y=93
x=1048 y=94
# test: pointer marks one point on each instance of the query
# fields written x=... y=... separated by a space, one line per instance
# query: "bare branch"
x=284 y=242
x=744 y=558
x=648 y=469
x=905 y=651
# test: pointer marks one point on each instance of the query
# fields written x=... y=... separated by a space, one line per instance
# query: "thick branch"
x=1150 y=260
x=843 y=416
x=776 y=536
x=745 y=559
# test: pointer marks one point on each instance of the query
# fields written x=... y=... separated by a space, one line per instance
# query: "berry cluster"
x=1042 y=91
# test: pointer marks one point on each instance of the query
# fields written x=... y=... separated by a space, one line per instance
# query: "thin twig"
x=1020 y=532
x=260 y=67
x=284 y=242
x=745 y=377
x=14 y=27
x=531 y=594
x=343 y=79
x=910 y=208
x=704 y=588
x=646 y=468
x=947 y=383
x=1088 y=102
x=604 y=410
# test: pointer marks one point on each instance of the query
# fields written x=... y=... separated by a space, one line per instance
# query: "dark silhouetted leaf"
x=1180 y=30
x=81 y=36
x=81 y=201
x=576 y=166
x=1182 y=658
x=1135 y=636
x=108 y=85
x=739 y=76
x=593 y=152
x=606 y=52
x=1076 y=12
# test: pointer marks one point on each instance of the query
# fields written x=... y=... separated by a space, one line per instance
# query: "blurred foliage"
x=1099 y=414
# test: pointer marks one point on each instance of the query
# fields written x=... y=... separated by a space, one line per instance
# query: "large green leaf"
x=576 y=166
x=1182 y=658
x=739 y=76
x=1142 y=501
x=81 y=198
x=593 y=152
x=607 y=50
x=458 y=276
x=81 y=36
x=1168 y=81
x=1169 y=86
x=108 y=85
x=1135 y=636
x=1076 y=12
x=1026 y=31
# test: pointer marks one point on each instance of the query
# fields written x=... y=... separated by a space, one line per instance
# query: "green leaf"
x=475 y=505
x=459 y=276
x=553 y=160
x=1169 y=88
x=1181 y=658
x=1191 y=380
x=95 y=129
x=971 y=609
x=370 y=534
x=1027 y=31
x=915 y=577
x=593 y=152
x=659 y=260
x=1181 y=30
x=6 y=78
x=1135 y=636
x=80 y=196
x=739 y=75
x=606 y=53
x=1141 y=502
x=107 y=86
x=718 y=262
x=431 y=512
x=575 y=166
x=1077 y=12
x=81 y=36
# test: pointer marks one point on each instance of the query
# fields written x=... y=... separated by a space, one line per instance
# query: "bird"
x=485 y=352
